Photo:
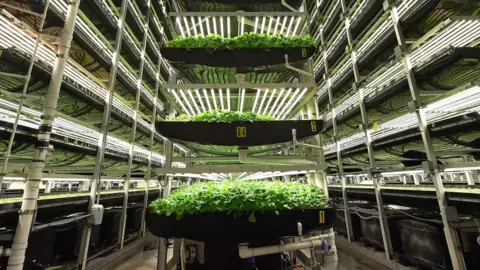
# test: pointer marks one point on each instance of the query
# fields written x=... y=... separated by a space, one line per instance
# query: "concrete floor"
x=148 y=261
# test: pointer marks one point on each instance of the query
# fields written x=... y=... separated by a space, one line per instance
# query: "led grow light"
x=220 y=94
x=288 y=103
x=290 y=108
x=255 y=101
x=228 y=99
x=276 y=101
x=269 y=101
x=283 y=101
x=189 y=92
x=263 y=100
x=212 y=92
x=207 y=99
x=242 y=98
x=200 y=100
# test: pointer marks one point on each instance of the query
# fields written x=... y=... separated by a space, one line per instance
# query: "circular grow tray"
x=239 y=133
x=239 y=57
x=221 y=227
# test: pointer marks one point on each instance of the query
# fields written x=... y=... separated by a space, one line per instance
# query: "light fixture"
x=212 y=92
x=242 y=98
x=269 y=101
x=276 y=101
x=228 y=98
x=263 y=100
x=256 y=100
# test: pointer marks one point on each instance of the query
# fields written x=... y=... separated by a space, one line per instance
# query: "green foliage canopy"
x=240 y=198
x=223 y=116
x=247 y=40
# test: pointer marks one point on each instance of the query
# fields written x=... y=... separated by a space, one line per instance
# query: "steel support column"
x=335 y=133
x=434 y=173
x=97 y=174
x=387 y=243
x=6 y=154
x=126 y=184
x=31 y=190
x=148 y=174
x=162 y=242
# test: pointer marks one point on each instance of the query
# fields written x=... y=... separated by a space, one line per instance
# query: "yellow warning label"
x=314 y=125
x=322 y=217
x=304 y=53
x=375 y=126
x=241 y=132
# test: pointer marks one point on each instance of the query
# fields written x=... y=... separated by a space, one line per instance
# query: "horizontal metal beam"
x=237 y=13
x=240 y=168
x=230 y=158
x=259 y=86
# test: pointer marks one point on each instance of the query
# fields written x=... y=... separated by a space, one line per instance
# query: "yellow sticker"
x=375 y=126
x=313 y=124
x=241 y=132
x=304 y=53
x=322 y=217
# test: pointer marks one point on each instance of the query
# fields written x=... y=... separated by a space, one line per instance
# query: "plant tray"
x=241 y=57
x=239 y=133
x=220 y=227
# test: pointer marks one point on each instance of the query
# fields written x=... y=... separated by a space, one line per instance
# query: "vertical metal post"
x=387 y=243
x=31 y=190
x=6 y=154
x=126 y=184
x=335 y=135
x=162 y=247
x=453 y=243
x=97 y=174
x=148 y=174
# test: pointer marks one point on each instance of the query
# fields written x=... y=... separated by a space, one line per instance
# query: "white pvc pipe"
x=245 y=252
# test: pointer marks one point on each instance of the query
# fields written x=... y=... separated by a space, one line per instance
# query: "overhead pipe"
x=244 y=158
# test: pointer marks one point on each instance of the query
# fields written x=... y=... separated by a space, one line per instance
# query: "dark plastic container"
x=372 y=232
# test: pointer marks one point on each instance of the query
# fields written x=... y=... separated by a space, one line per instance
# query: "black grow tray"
x=241 y=57
x=220 y=227
x=239 y=133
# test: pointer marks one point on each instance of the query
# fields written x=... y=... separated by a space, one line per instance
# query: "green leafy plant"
x=223 y=116
x=239 y=198
x=247 y=40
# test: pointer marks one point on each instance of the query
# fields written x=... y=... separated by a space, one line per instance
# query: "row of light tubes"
x=187 y=98
x=207 y=25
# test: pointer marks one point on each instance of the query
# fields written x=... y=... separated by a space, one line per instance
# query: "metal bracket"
x=295 y=142
x=287 y=65
x=285 y=4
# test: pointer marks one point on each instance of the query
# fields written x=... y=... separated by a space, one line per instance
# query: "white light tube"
x=263 y=25
x=220 y=94
x=228 y=27
x=294 y=103
x=290 y=25
x=200 y=23
x=208 y=25
x=180 y=27
x=222 y=32
x=284 y=23
x=255 y=101
x=212 y=92
x=187 y=26
x=289 y=103
x=276 y=101
x=242 y=98
x=228 y=99
x=242 y=25
x=186 y=101
x=207 y=99
x=200 y=99
x=193 y=25
x=180 y=101
x=276 y=25
x=189 y=92
x=269 y=101
x=402 y=172
x=256 y=25
x=214 y=26
x=270 y=21
x=263 y=100
x=297 y=24
x=283 y=101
